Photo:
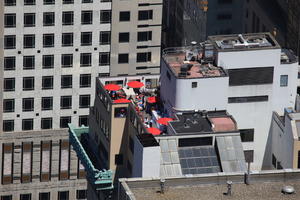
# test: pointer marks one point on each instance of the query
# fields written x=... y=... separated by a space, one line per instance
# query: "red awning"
x=112 y=87
x=154 y=131
x=135 y=84
x=164 y=120
x=122 y=101
x=152 y=99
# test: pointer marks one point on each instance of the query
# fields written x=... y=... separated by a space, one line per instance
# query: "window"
x=120 y=112
x=68 y=1
x=143 y=57
x=119 y=159
x=29 y=2
x=9 y=84
x=123 y=37
x=66 y=102
x=48 y=61
x=104 y=37
x=247 y=99
x=81 y=194
x=6 y=197
x=283 y=80
x=28 y=104
x=123 y=58
x=194 y=84
x=8 y=125
x=63 y=195
x=29 y=41
x=83 y=120
x=86 y=38
x=249 y=155
x=28 y=62
x=64 y=121
x=84 y=101
x=8 y=105
x=67 y=39
x=87 y=1
x=66 y=81
x=67 y=18
x=67 y=60
x=49 y=2
x=144 y=36
x=47 y=103
x=105 y=16
x=25 y=196
x=145 y=14
x=224 y=16
x=29 y=19
x=44 y=196
x=28 y=83
x=47 y=82
x=46 y=123
x=27 y=124
x=9 y=42
x=85 y=80
x=247 y=135
x=10 y=20
x=10 y=63
x=124 y=16
x=48 y=40
x=104 y=58
x=49 y=19
x=85 y=59
x=87 y=17
x=10 y=2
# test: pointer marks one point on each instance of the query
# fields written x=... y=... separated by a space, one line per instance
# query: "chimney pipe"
x=162 y=186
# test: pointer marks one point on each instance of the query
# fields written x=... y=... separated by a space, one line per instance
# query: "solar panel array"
x=198 y=160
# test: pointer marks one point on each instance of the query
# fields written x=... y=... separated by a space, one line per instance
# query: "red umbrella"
x=164 y=120
x=152 y=99
x=154 y=131
x=122 y=101
x=112 y=87
x=135 y=84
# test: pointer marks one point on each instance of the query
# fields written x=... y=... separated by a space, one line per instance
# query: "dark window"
x=247 y=135
x=81 y=194
x=63 y=195
x=66 y=102
x=49 y=2
x=9 y=84
x=6 y=197
x=46 y=123
x=120 y=112
x=123 y=37
x=9 y=42
x=29 y=41
x=25 y=196
x=44 y=196
x=85 y=80
x=83 y=120
x=64 y=121
x=143 y=57
x=145 y=14
x=47 y=82
x=194 y=84
x=124 y=16
x=105 y=16
x=224 y=16
x=48 y=61
x=9 y=2
x=28 y=62
x=49 y=19
x=84 y=101
x=104 y=37
x=144 y=36
x=284 y=80
x=123 y=58
x=104 y=58
x=10 y=63
x=67 y=39
x=85 y=59
x=87 y=17
x=247 y=99
x=66 y=81
x=249 y=155
x=10 y=20
x=28 y=83
x=86 y=38
x=68 y=1
x=47 y=103
x=87 y=1
x=8 y=105
x=48 y=40
x=251 y=76
x=188 y=142
x=27 y=124
x=67 y=60
x=29 y=19
x=29 y=2
x=28 y=104
x=119 y=159
x=8 y=125
x=68 y=18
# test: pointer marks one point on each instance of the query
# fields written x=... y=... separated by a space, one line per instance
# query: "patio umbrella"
x=112 y=87
x=164 y=120
x=154 y=131
x=152 y=99
x=135 y=84
x=122 y=101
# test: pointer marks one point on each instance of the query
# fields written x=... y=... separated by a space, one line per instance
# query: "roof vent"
x=288 y=189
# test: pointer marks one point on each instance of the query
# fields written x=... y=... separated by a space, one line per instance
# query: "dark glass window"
x=65 y=102
x=104 y=58
x=10 y=63
x=67 y=18
x=66 y=81
x=9 y=84
x=47 y=82
x=124 y=37
x=83 y=120
x=46 y=123
x=25 y=196
x=84 y=101
x=47 y=103
x=143 y=57
x=8 y=125
x=48 y=40
x=81 y=194
x=67 y=60
x=48 y=61
x=105 y=16
x=29 y=41
x=10 y=20
x=27 y=124
x=28 y=62
x=44 y=196
x=123 y=58
x=144 y=36
x=9 y=42
x=247 y=99
x=284 y=80
x=247 y=135
x=86 y=38
x=85 y=59
x=49 y=19
x=194 y=84
x=124 y=16
x=87 y=1
x=87 y=17
x=28 y=83
x=64 y=121
x=9 y=2
x=8 y=105
x=145 y=14
x=29 y=19
x=104 y=37
x=28 y=104
x=68 y=1
x=6 y=197
x=120 y=112
x=67 y=39
x=29 y=2
x=85 y=80
x=49 y=2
